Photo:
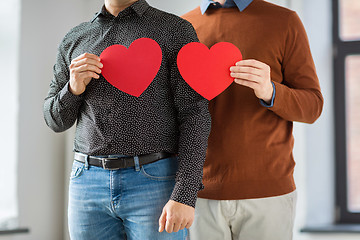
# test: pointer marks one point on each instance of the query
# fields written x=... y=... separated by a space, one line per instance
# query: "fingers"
x=255 y=75
x=188 y=225
x=87 y=67
x=162 y=221
x=86 y=55
x=176 y=216
x=171 y=223
x=252 y=63
x=183 y=225
x=82 y=70
x=249 y=70
x=174 y=224
x=247 y=76
x=169 y=227
x=246 y=83
x=177 y=225
x=87 y=61
x=88 y=75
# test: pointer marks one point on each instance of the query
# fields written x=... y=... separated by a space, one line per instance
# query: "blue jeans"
x=120 y=204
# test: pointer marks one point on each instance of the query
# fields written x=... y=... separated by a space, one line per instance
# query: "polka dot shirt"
x=168 y=116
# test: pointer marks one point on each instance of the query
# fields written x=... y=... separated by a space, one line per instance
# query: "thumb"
x=162 y=221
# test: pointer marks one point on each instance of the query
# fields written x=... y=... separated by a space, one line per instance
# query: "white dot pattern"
x=169 y=116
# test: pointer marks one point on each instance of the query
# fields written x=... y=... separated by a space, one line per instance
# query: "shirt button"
x=109 y=145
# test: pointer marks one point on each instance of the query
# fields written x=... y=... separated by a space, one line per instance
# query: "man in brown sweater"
x=248 y=175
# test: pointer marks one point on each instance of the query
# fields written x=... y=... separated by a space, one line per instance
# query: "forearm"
x=61 y=109
x=194 y=124
x=194 y=132
x=298 y=96
x=301 y=105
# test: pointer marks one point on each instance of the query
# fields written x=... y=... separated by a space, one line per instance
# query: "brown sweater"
x=250 y=146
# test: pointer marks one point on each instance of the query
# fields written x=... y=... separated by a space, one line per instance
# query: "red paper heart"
x=132 y=70
x=208 y=71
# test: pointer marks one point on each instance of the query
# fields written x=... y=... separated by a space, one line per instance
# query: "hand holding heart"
x=256 y=75
x=205 y=70
x=82 y=69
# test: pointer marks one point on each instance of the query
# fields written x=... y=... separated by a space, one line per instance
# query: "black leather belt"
x=115 y=163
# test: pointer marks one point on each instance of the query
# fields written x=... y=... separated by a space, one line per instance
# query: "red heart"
x=208 y=71
x=132 y=70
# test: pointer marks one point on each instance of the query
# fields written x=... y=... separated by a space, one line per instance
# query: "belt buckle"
x=104 y=163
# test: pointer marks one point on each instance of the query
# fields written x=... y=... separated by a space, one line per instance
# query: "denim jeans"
x=120 y=204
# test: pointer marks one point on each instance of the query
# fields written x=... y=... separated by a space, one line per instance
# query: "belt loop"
x=137 y=164
x=87 y=162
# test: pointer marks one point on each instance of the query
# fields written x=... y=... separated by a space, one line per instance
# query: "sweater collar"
x=240 y=4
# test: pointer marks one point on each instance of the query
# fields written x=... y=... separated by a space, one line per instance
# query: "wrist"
x=267 y=99
x=72 y=90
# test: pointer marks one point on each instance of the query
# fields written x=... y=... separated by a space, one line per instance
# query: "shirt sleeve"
x=194 y=125
x=298 y=97
x=61 y=106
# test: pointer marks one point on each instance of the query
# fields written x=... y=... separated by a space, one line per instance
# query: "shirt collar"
x=139 y=7
x=241 y=4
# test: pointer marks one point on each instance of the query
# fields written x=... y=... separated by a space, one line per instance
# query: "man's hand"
x=176 y=216
x=82 y=69
x=256 y=75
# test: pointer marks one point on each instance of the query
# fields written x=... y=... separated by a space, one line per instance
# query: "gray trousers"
x=269 y=218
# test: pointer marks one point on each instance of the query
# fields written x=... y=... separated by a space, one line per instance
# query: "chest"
x=264 y=41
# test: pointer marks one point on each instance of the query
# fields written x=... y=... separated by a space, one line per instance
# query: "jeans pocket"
x=162 y=170
x=77 y=170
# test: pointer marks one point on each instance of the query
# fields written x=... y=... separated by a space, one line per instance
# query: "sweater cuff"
x=280 y=95
x=67 y=99
x=186 y=193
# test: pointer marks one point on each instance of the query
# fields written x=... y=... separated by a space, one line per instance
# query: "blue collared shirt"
x=241 y=4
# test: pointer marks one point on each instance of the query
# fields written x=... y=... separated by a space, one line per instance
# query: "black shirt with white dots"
x=169 y=115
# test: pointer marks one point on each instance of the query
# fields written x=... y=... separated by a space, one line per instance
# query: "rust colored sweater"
x=250 y=146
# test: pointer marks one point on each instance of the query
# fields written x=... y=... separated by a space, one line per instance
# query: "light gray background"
x=42 y=158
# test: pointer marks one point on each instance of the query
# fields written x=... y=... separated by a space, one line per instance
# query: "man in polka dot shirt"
x=138 y=160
